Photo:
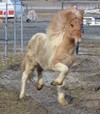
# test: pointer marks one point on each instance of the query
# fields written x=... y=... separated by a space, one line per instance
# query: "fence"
x=15 y=33
x=8 y=30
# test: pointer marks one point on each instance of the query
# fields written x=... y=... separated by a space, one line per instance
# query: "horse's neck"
x=68 y=45
x=61 y=39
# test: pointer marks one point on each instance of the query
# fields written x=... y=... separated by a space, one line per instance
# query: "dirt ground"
x=82 y=92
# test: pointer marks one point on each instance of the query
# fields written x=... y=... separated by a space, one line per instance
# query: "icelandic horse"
x=53 y=51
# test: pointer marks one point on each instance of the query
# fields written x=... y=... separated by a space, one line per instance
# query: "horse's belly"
x=43 y=61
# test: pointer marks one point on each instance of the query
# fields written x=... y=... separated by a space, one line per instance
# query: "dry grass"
x=12 y=59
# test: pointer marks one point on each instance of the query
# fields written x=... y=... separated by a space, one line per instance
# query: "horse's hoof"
x=22 y=96
x=55 y=83
x=63 y=102
x=39 y=87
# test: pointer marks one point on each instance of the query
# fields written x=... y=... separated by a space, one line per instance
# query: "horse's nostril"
x=78 y=41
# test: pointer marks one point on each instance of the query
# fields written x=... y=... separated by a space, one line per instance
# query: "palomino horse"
x=53 y=51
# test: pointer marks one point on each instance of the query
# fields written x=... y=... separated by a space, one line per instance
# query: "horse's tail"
x=23 y=65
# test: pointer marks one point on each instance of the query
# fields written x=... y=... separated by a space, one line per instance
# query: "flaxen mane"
x=61 y=20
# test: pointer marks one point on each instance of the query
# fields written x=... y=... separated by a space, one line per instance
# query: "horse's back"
x=36 y=37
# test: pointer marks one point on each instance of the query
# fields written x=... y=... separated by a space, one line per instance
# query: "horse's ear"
x=82 y=12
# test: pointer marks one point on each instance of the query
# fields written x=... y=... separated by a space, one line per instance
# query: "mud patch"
x=10 y=104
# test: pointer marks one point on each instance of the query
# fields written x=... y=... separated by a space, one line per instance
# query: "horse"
x=31 y=16
x=53 y=51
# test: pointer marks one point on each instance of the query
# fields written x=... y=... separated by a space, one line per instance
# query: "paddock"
x=83 y=83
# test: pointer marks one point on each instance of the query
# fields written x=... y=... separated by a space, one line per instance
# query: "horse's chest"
x=64 y=57
x=67 y=59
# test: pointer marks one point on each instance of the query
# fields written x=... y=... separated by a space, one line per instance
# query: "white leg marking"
x=40 y=79
x=40 y=84
x=61 y=94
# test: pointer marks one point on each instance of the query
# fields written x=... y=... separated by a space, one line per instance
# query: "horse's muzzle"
x=78 y=41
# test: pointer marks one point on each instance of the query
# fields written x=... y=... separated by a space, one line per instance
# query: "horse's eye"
x=71 y=25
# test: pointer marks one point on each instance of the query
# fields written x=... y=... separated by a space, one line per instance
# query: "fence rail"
x=81 y=4
x=15 y=33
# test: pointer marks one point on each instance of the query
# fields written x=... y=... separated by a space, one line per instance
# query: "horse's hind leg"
x=25 y=76
x=40 y=78
x=63 y=69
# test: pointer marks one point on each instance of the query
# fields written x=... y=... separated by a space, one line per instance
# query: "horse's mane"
x=60 y=20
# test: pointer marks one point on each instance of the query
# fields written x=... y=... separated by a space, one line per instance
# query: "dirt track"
x=82 y=92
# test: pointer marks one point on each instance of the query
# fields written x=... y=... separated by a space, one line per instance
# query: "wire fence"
x=16 y=32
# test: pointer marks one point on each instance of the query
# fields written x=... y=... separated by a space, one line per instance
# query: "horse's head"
x=69 y=22
x=73 y=24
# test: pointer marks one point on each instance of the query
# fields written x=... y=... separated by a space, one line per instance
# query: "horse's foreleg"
x=63 y=69
x=61 y=94
x=40 y=78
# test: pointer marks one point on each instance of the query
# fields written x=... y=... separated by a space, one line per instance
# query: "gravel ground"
x=82 y=92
